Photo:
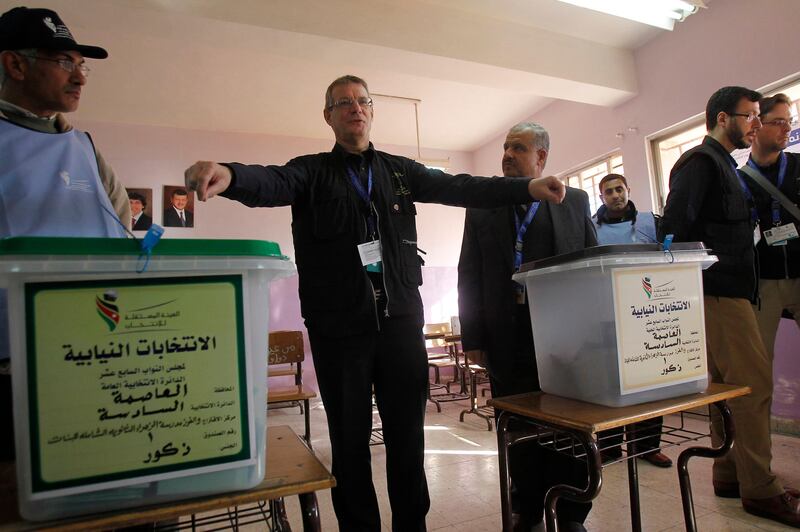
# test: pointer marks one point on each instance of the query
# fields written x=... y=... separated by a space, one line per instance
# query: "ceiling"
x=262 y=66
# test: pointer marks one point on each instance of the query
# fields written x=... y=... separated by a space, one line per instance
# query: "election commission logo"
x=647 y=286
x=107 y=309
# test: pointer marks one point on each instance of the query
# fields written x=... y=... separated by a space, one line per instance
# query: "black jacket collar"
x=629 y=216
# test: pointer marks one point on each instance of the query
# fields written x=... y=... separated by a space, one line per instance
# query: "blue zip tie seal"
x=149 y=241
x=667 y=244
x=668 y=241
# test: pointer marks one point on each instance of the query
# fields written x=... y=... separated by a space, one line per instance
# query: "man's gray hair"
x=343 y=80
x=541 y=138
x=25 y=52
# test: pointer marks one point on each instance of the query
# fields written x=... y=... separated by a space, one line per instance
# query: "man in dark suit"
x=176 y=214
x=139 y=220
x=493 y=310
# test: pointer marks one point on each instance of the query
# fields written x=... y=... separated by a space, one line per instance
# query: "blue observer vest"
x=643 y=231
x=50 y=186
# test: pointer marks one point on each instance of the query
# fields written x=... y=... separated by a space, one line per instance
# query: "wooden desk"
x=559 y=422
x=292 y=469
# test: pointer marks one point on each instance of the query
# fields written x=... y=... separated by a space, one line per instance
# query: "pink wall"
x=787 y=371
x=144 y=156
x=150 y=157
x=733 y=42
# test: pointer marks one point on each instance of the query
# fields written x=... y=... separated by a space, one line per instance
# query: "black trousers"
x=534 y=469
x=393 y=363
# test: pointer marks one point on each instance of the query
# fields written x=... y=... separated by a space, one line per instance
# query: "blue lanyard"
x=522 y=228
x=776 y=207
x=747 y=194
x=364 y=195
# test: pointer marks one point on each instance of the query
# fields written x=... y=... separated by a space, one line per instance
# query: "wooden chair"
x=477 y=374
x=286 y=355
x=441 y=354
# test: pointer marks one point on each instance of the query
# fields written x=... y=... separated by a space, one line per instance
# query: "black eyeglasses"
x=65 y=64
x=346 y=103
x=749 y=117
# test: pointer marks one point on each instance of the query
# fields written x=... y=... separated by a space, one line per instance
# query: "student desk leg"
x=310 y=510
x=541 y=429
x=506 y=439
x=706 y=452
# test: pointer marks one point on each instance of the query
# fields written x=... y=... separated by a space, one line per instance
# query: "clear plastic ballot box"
x=136 y=388
x=619 y=324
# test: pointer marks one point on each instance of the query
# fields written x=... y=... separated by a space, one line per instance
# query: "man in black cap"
x=42 y=74
x=54 y=184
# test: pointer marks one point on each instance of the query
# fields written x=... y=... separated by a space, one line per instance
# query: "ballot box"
x=619 y=324
x=137 y=379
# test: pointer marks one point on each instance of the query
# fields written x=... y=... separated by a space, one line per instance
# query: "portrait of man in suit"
x=178 y=212
x=141 y=215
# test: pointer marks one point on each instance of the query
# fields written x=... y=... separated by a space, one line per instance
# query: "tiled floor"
x=462 y=471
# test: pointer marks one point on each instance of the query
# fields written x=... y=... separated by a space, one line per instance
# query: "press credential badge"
x=779 y=235
x=370 y=252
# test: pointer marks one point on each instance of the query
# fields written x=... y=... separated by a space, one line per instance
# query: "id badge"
x=779 y=235
x=370 y=252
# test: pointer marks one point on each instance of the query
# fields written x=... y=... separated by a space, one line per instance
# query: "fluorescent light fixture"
x=659 y=13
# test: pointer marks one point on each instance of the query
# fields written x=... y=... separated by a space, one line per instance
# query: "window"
x=667 y=146
x=588 y=177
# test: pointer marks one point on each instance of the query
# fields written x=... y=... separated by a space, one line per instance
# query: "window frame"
x=594 y=193
x=659 y=186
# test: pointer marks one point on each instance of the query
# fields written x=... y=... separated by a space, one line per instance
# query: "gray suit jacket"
x=486 y=292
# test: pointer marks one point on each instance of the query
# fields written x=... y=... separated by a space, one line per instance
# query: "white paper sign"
x=659 y=325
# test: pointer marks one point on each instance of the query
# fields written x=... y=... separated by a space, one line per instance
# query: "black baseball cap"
x=22 y=28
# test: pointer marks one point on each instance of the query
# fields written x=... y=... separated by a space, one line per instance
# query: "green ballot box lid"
x=128 y=246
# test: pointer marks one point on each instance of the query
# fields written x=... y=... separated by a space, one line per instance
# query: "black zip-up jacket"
x=777 y=262
x=706 y=203
x=328 y=222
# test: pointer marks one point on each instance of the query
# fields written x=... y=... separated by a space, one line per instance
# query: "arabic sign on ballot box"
x=660 y=326
x=620 y=324
x=135 y=388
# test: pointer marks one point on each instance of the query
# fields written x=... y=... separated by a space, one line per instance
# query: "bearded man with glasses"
x=708 y=202
x=355 y=243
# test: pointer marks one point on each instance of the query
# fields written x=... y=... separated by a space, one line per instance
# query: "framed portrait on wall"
x=178 y=207
x=141 y=200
